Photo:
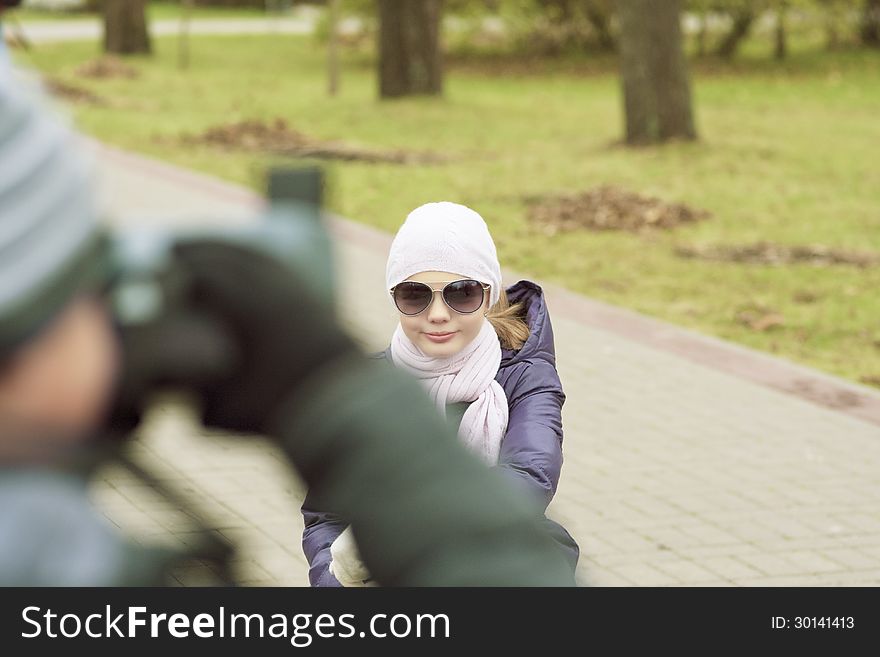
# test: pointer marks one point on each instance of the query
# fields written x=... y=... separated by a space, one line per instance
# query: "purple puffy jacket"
x=532 y=447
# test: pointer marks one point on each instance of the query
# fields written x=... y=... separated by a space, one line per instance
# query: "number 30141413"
x=823 y=622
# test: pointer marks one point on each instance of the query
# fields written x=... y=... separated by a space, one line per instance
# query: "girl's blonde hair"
x=508 y=322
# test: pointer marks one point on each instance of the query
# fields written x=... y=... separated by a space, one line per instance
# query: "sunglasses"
x=464 y=296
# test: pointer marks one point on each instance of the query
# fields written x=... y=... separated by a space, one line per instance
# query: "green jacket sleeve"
x=424 y=512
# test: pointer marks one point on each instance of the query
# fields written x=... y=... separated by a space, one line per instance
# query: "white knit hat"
x=444 y=237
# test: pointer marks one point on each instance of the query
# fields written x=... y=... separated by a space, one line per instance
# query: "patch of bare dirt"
x=106 y=67
x=71 y=92
x=278 y=138
x=870 y=381
x=768 y=253
x=610 y=208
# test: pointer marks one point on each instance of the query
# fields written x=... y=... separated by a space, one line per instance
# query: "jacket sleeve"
x=531 y=452
x=320 y=529
x=443 y=519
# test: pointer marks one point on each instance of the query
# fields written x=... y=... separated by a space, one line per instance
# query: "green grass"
x=155 y=11
x=789 y=153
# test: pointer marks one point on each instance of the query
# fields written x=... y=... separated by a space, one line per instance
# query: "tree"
x=410 y=60
x=125 y=27
x=870 y=23
x=656 y=90
x=743 y=15
x=780 y=42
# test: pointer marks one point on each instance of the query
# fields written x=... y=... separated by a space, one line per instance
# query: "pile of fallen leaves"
x=253 y=135
x=278 y=138
x=767 y=253
x=107 y=66
x=71 y=93
x=609 y=208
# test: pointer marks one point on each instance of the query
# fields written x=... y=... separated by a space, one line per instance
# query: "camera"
x=166 y=342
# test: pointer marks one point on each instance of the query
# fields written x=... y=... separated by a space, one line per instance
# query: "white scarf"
x=468 y=376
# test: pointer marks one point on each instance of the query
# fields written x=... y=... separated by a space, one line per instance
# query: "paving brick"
x=652 y=507
x=865 y=542
x=788 y=527
x=729 y=568
x=771 y=564
x=686 y=571
x=780 y=580
x=263 y=582
x=195 y=575
x=870 y=549
x=693 y=502
x=754 y=533
x=643 y=575
x=813 y=562
x=628 y=541
x=601 y=577
x=249 y=537
x=851 y=558
x=248 y=570
x=847 y=578
x=670 y=538
x=714 y=583
x=592 y=545
x=709 y=535
x=652 y=557
x=864 y=522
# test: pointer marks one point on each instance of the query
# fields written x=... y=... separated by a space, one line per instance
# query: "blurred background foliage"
x=766 y=231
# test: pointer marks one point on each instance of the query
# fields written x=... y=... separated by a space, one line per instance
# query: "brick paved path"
x=689 y=461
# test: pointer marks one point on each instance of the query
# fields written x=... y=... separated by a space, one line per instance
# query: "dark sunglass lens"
x=464 y=296
x=412 y=298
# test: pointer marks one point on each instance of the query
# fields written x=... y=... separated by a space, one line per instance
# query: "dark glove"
x=181 y=349
x=282 y=331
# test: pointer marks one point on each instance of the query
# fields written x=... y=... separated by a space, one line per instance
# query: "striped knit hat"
x=50 y=245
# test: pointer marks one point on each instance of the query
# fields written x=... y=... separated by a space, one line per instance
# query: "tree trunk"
x=870 y=23
x=333 y=47
x=780 y=48
x=742 y=23
x=125 y=27
x=410 y=60
x=656 y=91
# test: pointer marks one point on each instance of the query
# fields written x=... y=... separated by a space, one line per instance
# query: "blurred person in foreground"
x=71 y=375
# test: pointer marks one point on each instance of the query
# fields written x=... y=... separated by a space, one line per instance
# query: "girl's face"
x=438 y=330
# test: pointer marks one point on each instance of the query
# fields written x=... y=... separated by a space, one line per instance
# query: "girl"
x=485 y=357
